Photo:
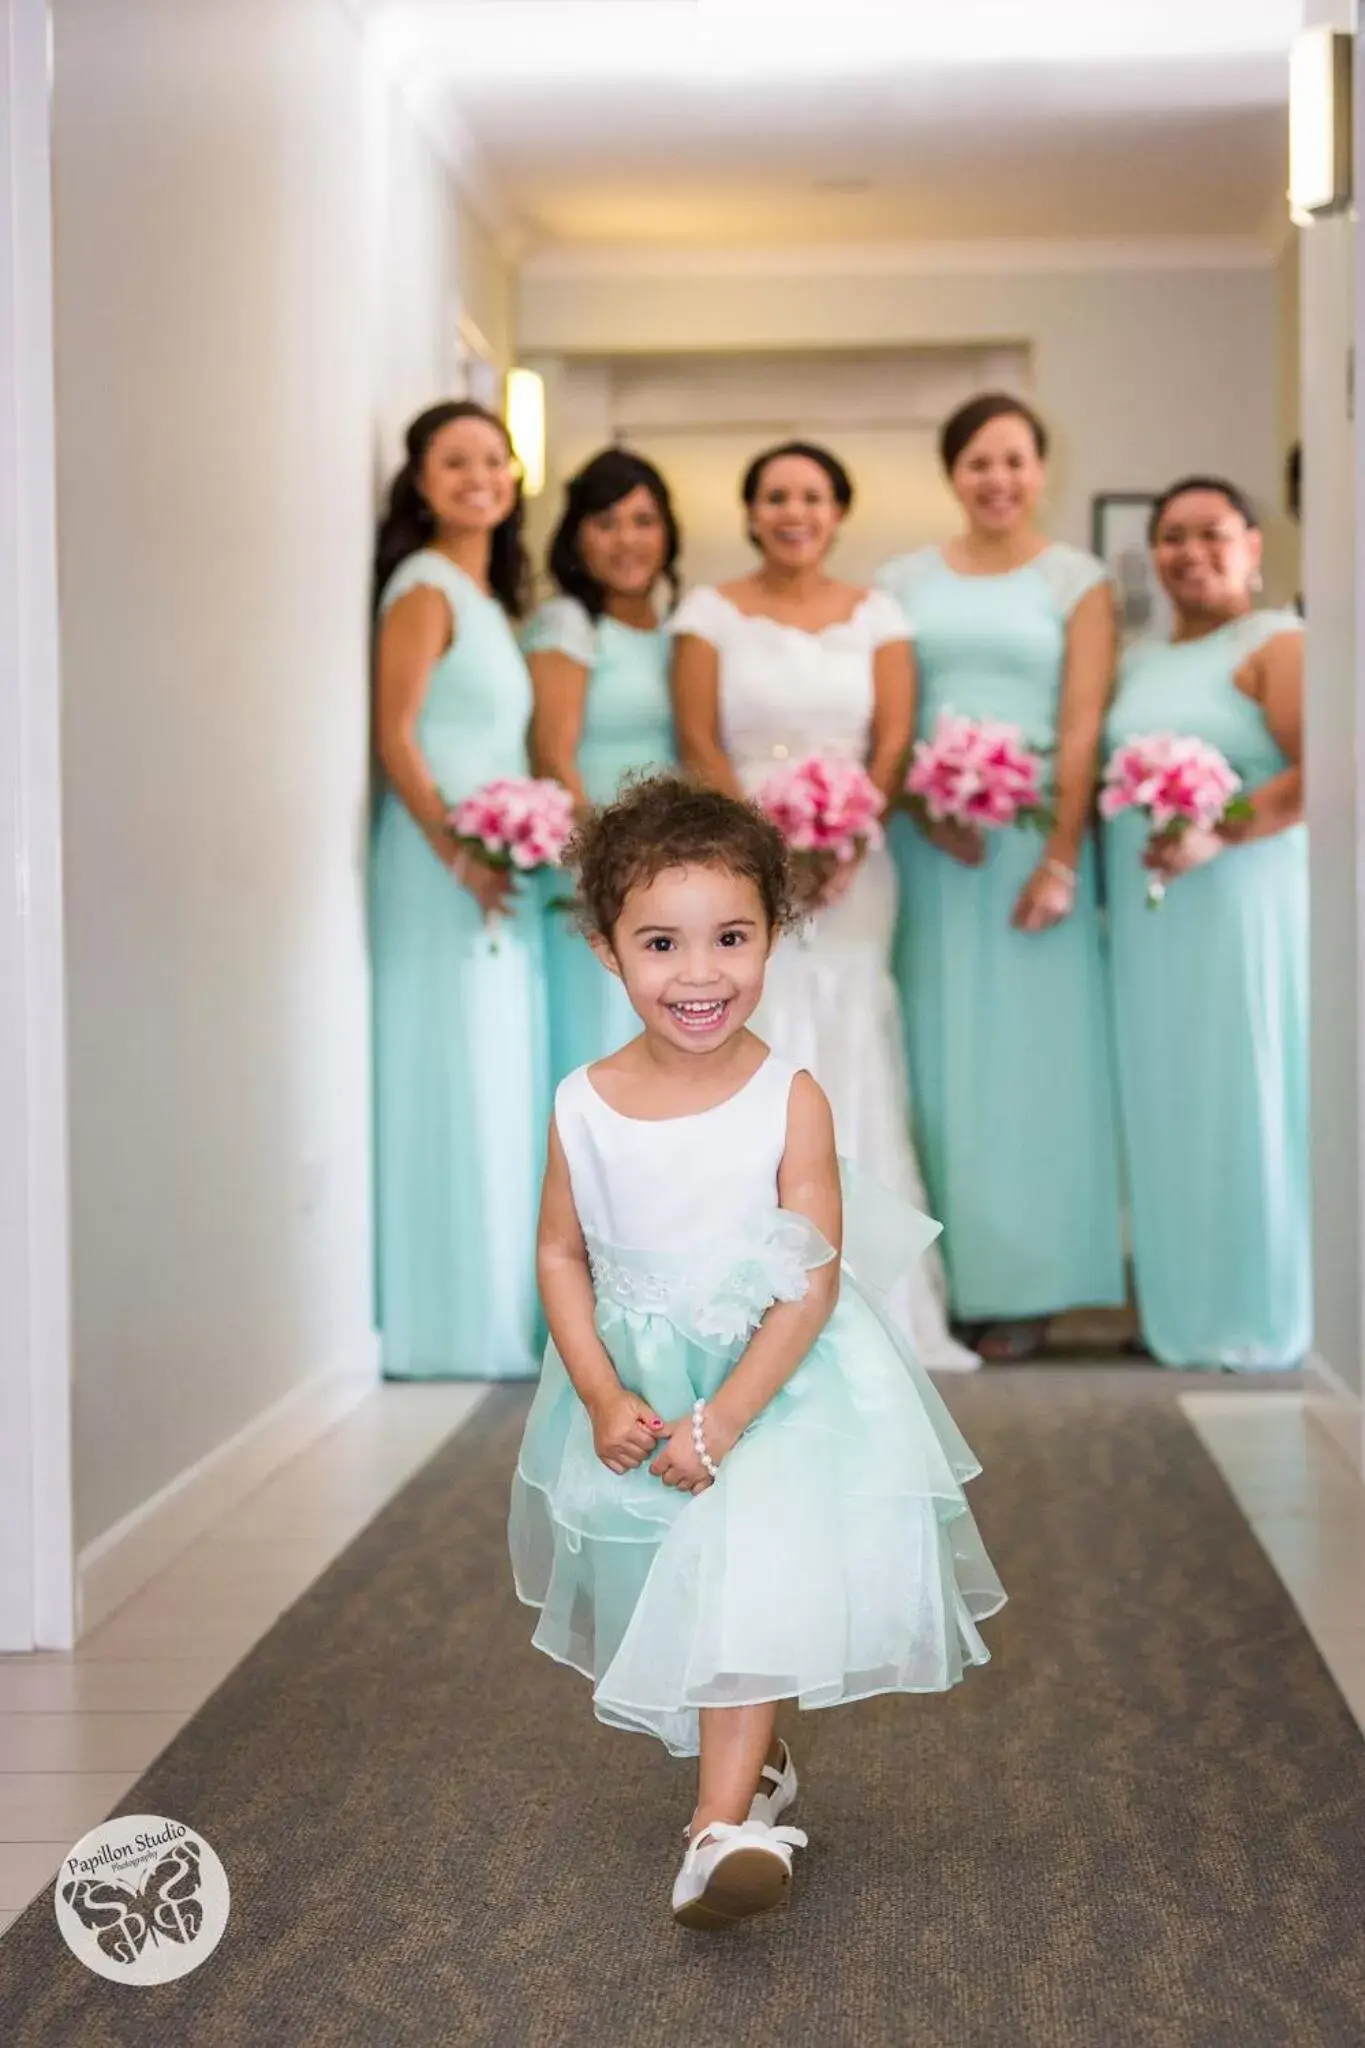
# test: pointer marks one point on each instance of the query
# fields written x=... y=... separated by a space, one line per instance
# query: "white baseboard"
x=1335 y=1407
x=121 y=1561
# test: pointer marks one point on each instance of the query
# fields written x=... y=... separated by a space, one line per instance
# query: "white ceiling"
x=686 y=123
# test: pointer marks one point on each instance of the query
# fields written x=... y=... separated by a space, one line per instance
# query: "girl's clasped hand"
x=626 y=1431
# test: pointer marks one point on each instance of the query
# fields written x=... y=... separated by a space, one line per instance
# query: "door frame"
x=36 y=1529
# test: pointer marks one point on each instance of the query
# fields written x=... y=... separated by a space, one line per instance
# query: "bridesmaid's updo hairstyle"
x=662 y=822
x=840 y=482
x=962 y=427
x=408 y=523
x=1236 y=498
x=599 y=485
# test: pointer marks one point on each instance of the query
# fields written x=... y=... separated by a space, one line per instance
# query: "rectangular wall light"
x=525 y=415
x=1320 y=169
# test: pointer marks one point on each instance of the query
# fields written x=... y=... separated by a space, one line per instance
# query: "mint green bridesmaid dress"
x=627 y=729
x=1211 y=1021
x=1007 y=1033
x=461 y=1096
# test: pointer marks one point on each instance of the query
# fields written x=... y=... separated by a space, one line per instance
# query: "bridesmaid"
x=458 y=1014
x=1211 y=991
x=998 y=951
x=598 y=657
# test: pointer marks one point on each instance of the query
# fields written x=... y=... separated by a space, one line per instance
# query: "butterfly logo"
x=123 y=1919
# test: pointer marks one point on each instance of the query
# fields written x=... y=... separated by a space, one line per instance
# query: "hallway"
x=246 y=1582
x=1145 y=1824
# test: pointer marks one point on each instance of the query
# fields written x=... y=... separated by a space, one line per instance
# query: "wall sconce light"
x=525 y=416
x=1320 y=169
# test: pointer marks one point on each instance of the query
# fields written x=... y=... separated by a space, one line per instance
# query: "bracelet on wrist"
x=1059 y=870
x=708 y=1463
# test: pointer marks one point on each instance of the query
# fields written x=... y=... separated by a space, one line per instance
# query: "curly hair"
x=662 y=822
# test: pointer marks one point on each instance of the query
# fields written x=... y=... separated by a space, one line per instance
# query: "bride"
x=781 y=665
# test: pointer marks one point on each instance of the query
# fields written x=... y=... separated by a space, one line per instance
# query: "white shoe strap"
x=758 y=1831
x=775 y=1773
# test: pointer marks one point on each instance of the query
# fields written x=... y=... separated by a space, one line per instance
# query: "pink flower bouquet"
x=829 y=812
x=517 y=822
x=977 y=771
x=1175 y=783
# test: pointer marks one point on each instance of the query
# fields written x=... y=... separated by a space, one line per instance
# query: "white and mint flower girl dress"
x=835 y=1556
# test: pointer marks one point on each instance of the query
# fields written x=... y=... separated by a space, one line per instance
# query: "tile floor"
x=1306 y=1506
x=77 y=1729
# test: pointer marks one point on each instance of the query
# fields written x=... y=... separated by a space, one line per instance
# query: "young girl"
x=735 y=1487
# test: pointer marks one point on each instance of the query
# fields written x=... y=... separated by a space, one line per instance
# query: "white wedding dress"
x=830 y=1003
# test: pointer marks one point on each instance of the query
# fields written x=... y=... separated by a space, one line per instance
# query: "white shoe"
x=967 y=1362
x=732 y=1872
x=777 y=1789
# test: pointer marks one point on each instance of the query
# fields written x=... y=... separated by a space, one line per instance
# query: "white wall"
x=416 y=264
x=1145 y=366
x=35 y=1478
x=701 y=417
x=487 y=286
x=1284 y=563
x=224 y=372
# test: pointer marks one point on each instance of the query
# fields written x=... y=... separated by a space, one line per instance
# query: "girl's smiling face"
x=692 y=948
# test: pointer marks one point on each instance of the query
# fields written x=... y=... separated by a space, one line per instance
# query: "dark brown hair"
x=1237 y=500
x=599 y=485
x=663 y=822
x=407 y=523
x=966 y=423
x=840 y=482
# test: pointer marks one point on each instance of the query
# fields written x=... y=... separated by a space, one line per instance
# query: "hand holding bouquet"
x=515 y=825
x=829 y=813
x=1185 y=788
x=976 y=774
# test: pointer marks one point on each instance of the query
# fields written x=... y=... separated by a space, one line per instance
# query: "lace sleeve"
x=702 y=612
x=1259 y=627
x=885 y=619
x=903 y=578
x=428 y=570
x=1070 y=575
x=562 y=627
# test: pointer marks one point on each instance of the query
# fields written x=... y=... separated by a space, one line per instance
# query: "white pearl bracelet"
x=699 y=1439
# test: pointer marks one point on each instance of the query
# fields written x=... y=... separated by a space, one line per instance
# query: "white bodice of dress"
x=681 y=1216
x=786 y=694
x=675 y=1182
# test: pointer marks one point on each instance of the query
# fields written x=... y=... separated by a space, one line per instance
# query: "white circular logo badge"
x=142 y=1899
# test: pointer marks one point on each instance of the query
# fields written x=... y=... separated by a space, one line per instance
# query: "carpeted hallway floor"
x=1144 y=1823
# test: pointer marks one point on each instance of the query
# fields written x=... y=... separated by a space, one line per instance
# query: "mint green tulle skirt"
x=835 y=1556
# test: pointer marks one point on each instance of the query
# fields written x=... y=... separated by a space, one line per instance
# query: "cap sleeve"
x=884 y=618
x=1071 y=574
x=703 y=612
x=424 y=570
x=1257 y=628
x=562 y=627
x=902 y=579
